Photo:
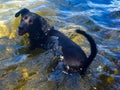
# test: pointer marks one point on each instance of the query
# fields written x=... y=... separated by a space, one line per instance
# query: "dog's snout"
x=20 y=27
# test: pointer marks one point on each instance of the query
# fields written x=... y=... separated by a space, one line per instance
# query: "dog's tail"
x=92 y=45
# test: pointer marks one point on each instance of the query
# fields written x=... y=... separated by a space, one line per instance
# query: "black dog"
x=42 y=35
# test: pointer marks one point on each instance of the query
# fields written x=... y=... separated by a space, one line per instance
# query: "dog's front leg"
x=32 y=45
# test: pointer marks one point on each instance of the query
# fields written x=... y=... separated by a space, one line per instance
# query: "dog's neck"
x=40 y=34
x=48 y=30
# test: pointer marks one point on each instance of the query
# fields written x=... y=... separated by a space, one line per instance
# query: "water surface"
x=24 y=70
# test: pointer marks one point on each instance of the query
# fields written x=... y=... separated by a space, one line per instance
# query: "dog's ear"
x=22 y=12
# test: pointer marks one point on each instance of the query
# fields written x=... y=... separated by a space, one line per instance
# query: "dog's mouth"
x=21 y=32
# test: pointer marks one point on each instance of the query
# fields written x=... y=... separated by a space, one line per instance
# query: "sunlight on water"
x=22 y=69
x=3 y=30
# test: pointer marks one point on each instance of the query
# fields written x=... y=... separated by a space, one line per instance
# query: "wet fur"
x=40 y=33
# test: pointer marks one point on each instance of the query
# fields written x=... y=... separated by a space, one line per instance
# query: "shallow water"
x=99 y=18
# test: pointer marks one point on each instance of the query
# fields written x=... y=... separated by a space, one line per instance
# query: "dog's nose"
x=20 y=27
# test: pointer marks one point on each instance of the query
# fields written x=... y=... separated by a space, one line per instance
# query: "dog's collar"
x=49 y=29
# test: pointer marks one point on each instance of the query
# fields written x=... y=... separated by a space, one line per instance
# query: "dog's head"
x=31 y=22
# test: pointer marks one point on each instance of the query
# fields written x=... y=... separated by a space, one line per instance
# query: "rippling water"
x=99 y=18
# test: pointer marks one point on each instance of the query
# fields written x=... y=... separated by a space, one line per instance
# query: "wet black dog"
x=42 y=35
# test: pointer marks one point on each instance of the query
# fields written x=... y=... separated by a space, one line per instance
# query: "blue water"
x=100 y=11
